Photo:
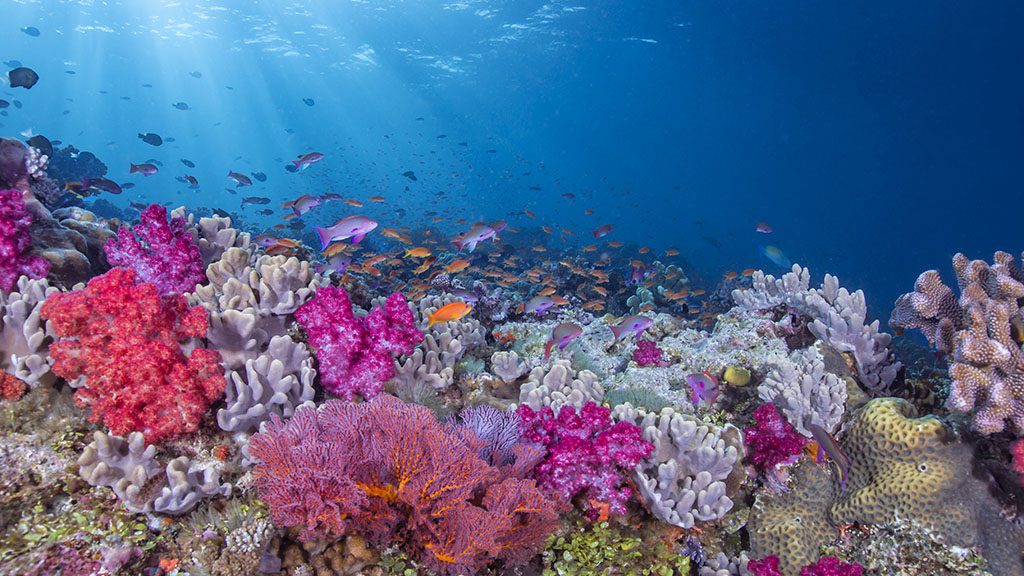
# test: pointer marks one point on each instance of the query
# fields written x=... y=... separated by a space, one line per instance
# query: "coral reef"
x=24 y=336
x=378 y=466
x=15 y=242
x=559 y=385
x=772 y=440
x=978 y=332
x=684 y=480
x=133 y=355
x=804 y=392
x=161 y=253
x=356 y=354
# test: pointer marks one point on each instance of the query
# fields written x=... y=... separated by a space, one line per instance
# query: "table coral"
x=15 y=242
x=355 y=354
x=392 y=472
x=128 y=345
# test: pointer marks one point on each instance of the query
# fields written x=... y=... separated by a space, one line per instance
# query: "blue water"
x=876 y=138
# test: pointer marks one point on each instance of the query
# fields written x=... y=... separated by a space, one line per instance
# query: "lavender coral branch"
x=161 y=252
x=15 y=242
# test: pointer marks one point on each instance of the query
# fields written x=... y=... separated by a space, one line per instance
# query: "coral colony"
x=180 y=397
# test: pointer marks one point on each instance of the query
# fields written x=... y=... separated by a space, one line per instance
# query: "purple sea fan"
x=160 y=252
x=586 y=453
x=15 y=242
x=498 y=434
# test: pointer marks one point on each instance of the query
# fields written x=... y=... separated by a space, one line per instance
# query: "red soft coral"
x=392 y=472
x=129 y=345
x=771 y=440
x=831 y=566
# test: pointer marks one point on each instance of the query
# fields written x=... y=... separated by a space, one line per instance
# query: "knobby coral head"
x=355 y=355
x=15 y=242
x=127 y=345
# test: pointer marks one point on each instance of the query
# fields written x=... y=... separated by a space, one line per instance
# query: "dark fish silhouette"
x=308 y=101
x=181 y=105
x=255 y=200
x=410 y=175
x=260 y=176
x=23 y=78
x=151 y=138
x=266 y=212
x=188 y=163
x=4 y=103
x=31 y=31
x=196 y=74
x=41 y=143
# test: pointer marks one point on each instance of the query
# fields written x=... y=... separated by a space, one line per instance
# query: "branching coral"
x=161 y=253
x=804 y=392
x=981 y=331
x=390 y=471
x=24 y=336
x=130 y=345
x=355 y=354
x=15 y=242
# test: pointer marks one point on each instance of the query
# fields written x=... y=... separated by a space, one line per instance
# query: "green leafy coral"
x=603 y=548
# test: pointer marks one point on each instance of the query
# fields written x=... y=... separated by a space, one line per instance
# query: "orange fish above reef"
x=419 y=252
x=354 y=202
x=546 y=292
x=697 y=292
x=747 y=272
x=671 y=252
x=590 y=248
x=729 y=275
x=644 y=249
x=615 y=244
x=546 y=229
x=449 y=312
x=529 y=213
x=588 y=212
x=377 y=199
x=457 y=266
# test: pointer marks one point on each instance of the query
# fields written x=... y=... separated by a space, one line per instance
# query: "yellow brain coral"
x=793 y=525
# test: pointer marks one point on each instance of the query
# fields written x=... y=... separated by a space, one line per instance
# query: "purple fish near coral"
x=703 y=388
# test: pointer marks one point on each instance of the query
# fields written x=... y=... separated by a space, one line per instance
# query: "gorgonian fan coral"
x=392 y=473
x=130 y=347
x=355 y=354
x=15 y=242
x=771 y=440
x=161 y=253
x=586 y=453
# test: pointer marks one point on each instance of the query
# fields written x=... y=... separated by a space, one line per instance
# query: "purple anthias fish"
x=337 y=263
x=304 y=203
x=306 y=159
x=355 y=227
x=498 y=226
x=465 y=295
x=538 y=305
x=144 y=169
x=703 y=388
x=469 y=239
x=562 y=335
x=602 y=231
x=637 y=274
x=265 y=240
x=634 y=325
x=241 y=179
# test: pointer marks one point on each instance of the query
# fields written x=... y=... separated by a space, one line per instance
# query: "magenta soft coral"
x=771 y=440
x=647 y=353
x=586 y=453
x=129 y=343
x=355 y=354
x=391 y=472
x=160 y=252
x=15 y=242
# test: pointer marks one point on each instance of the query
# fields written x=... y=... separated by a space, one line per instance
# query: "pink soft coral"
x=355 y=354
x=587 y=453
x=160 y=252
x=130 y=345
x=768 y=566
x=15 y=242
x=771 y=440
x=831 y=566
x=647 y=353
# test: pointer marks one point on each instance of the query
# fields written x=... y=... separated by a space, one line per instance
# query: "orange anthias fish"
x=449 y=312
x=457 y=266
x=671 y=252
x=419 y=252
x=354 y=202
x=376 y=199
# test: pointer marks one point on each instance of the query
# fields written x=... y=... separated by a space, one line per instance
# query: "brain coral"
x=907 y=468
x=793 y=525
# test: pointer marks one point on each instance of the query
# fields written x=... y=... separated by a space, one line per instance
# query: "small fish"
x=465 y=295
x=410 y=175
x=703 y=388
x=336 y=263
x=355 y=227
x=241 y=179
x=41 y=143
x=457 y=266
x=308 y=101
x=562 y=335
x=418 y=252
x=776 y=255
x=23 y=78
x=763 y=228
x=31 y=31
x=102 y=184
x=831 y=447
x=259 y=176
x=671 y=252
x=196 y=74
x=191 y=180
x=449 y=312
x=539 y=305
x=303 y=204
x=305 y=160
x=145 y=169
x=4 y=103
x=151 y=138
x=602 y=231
x=638 y=272
x=634 y=325
x=181 y=106
x=188 y=163
x=255 y=200
x=266 y=212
